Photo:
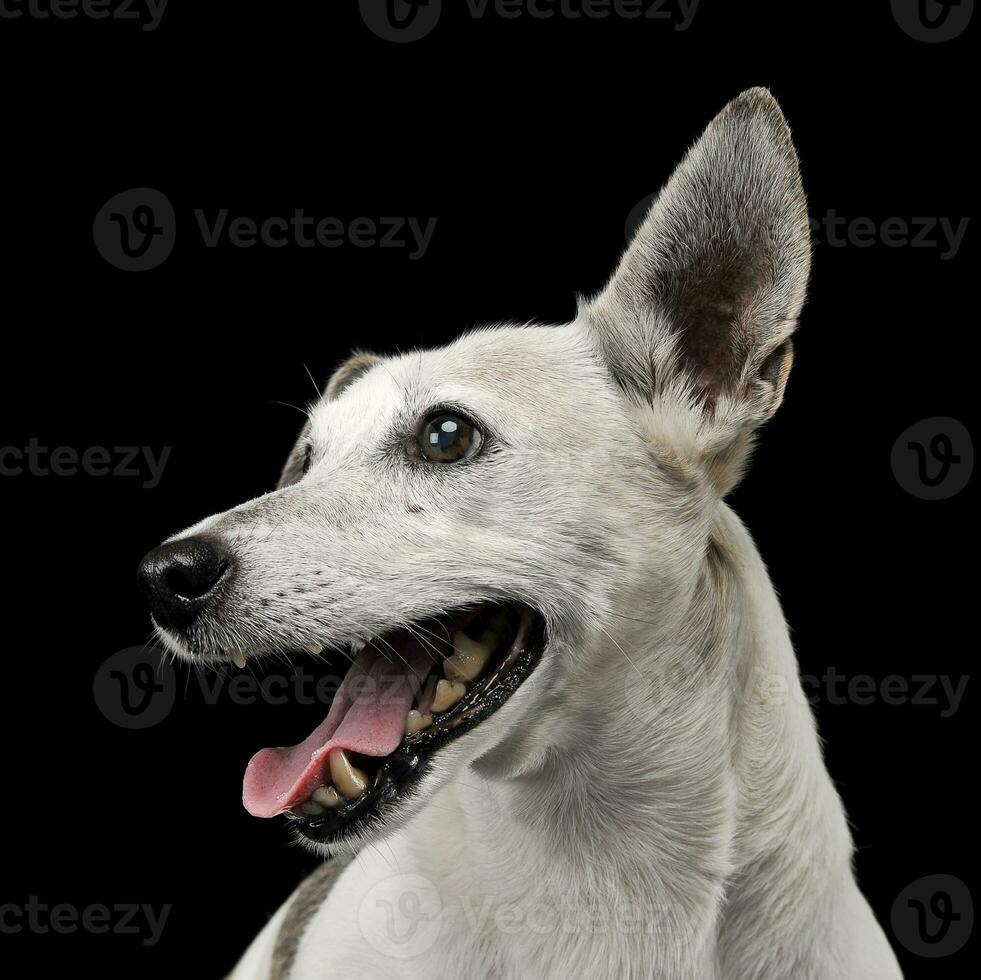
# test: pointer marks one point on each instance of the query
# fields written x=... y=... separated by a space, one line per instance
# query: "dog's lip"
x=401 y=769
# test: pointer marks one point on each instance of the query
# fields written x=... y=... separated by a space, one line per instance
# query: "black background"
x=530 y=141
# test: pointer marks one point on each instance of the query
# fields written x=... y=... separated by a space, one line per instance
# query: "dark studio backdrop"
x=522 y=145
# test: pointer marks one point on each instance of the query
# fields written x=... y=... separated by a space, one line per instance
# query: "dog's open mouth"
x=404 y=696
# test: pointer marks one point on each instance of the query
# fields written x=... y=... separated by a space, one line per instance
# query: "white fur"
x=652 y=802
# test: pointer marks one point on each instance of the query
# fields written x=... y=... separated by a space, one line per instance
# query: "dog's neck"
x=685 y=798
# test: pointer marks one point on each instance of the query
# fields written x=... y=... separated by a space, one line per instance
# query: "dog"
x=557 y=751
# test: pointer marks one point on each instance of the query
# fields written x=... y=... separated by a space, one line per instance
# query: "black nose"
x=180 y=578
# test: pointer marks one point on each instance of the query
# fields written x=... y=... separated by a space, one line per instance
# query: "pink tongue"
x=367 y=716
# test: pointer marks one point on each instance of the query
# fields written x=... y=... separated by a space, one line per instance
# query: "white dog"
x=572 y=742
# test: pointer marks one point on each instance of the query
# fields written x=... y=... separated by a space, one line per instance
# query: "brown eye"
x=447 y=438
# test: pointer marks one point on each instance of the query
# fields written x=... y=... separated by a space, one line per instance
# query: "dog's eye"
x=447 y=438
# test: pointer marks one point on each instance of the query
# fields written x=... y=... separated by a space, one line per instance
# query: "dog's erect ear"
x=707 y=295
x=352 y=369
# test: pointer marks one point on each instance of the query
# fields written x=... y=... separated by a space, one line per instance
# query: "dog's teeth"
x=448 y=693
x=469 y=656
x=311 y=809
x=327 y=797
x=425 y=696
x=349 y=780
x=238 y=658
x=416 y=721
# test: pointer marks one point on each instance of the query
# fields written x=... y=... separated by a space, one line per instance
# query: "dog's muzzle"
x=404 y=694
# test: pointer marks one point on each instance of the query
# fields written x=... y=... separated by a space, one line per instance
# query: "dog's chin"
x=337 y=792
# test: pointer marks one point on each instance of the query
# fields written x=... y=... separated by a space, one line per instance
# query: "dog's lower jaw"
x=704 y=842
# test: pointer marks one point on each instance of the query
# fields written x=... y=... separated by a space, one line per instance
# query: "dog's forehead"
x=488 y=361
x=493 y=371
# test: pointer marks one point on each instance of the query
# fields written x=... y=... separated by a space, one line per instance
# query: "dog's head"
x=471 y=525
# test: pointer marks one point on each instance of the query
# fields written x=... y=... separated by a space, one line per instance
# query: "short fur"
x=652 y=802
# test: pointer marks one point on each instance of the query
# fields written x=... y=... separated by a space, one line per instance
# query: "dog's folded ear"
x=348 y=372
x=707 y=295
x=345 y=374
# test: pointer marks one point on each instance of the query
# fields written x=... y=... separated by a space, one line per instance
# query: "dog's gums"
x=405 y=695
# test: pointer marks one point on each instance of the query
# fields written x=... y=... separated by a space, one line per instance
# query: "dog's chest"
x=408 y=910
x=456 y=895
x=390 y=917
